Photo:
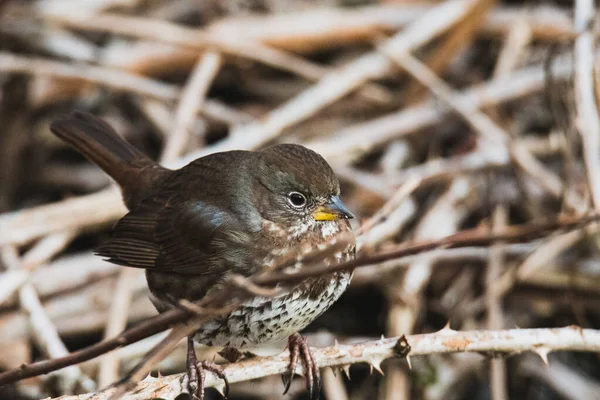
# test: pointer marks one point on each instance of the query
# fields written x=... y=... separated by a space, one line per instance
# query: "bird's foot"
x=299 y=349
x=196 y=371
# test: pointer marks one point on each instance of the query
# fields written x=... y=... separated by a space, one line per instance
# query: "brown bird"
x=231 y=212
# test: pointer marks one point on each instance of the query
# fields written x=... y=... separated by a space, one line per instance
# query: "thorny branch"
x=445 y=341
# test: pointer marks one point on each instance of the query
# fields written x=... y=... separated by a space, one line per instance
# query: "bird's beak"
x=332 y=211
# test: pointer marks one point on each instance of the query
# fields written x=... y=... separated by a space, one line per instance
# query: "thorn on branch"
x=543 y=353
x=346 y=370
x=375 y=363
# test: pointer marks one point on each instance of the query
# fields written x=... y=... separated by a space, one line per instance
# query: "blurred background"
x=436 y=116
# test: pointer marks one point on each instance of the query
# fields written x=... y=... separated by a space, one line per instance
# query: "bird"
x=233 y=212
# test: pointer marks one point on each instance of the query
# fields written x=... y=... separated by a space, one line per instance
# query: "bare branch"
x=446 y=341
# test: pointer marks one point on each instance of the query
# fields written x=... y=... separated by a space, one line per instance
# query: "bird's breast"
x=267 y=320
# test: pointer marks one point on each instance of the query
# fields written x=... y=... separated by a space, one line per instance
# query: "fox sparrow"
x=230 y=212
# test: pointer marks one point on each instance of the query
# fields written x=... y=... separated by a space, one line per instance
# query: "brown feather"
x=135 y=173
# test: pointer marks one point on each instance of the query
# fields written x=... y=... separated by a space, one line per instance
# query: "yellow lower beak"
x=322 y=215
x=332 y=211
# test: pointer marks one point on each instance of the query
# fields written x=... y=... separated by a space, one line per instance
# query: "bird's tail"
x=100 y=143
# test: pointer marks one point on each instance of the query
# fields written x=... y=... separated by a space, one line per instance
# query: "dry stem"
x=446 y=341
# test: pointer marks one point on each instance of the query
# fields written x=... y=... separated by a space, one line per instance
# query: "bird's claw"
x=196 y=371
x=299 y=349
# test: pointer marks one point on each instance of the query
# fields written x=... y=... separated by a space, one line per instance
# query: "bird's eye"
x=297 y=199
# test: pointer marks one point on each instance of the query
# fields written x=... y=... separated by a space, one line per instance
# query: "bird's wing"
x=170 y=234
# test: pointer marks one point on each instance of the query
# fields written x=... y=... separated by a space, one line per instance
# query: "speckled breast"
x=264 y=320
